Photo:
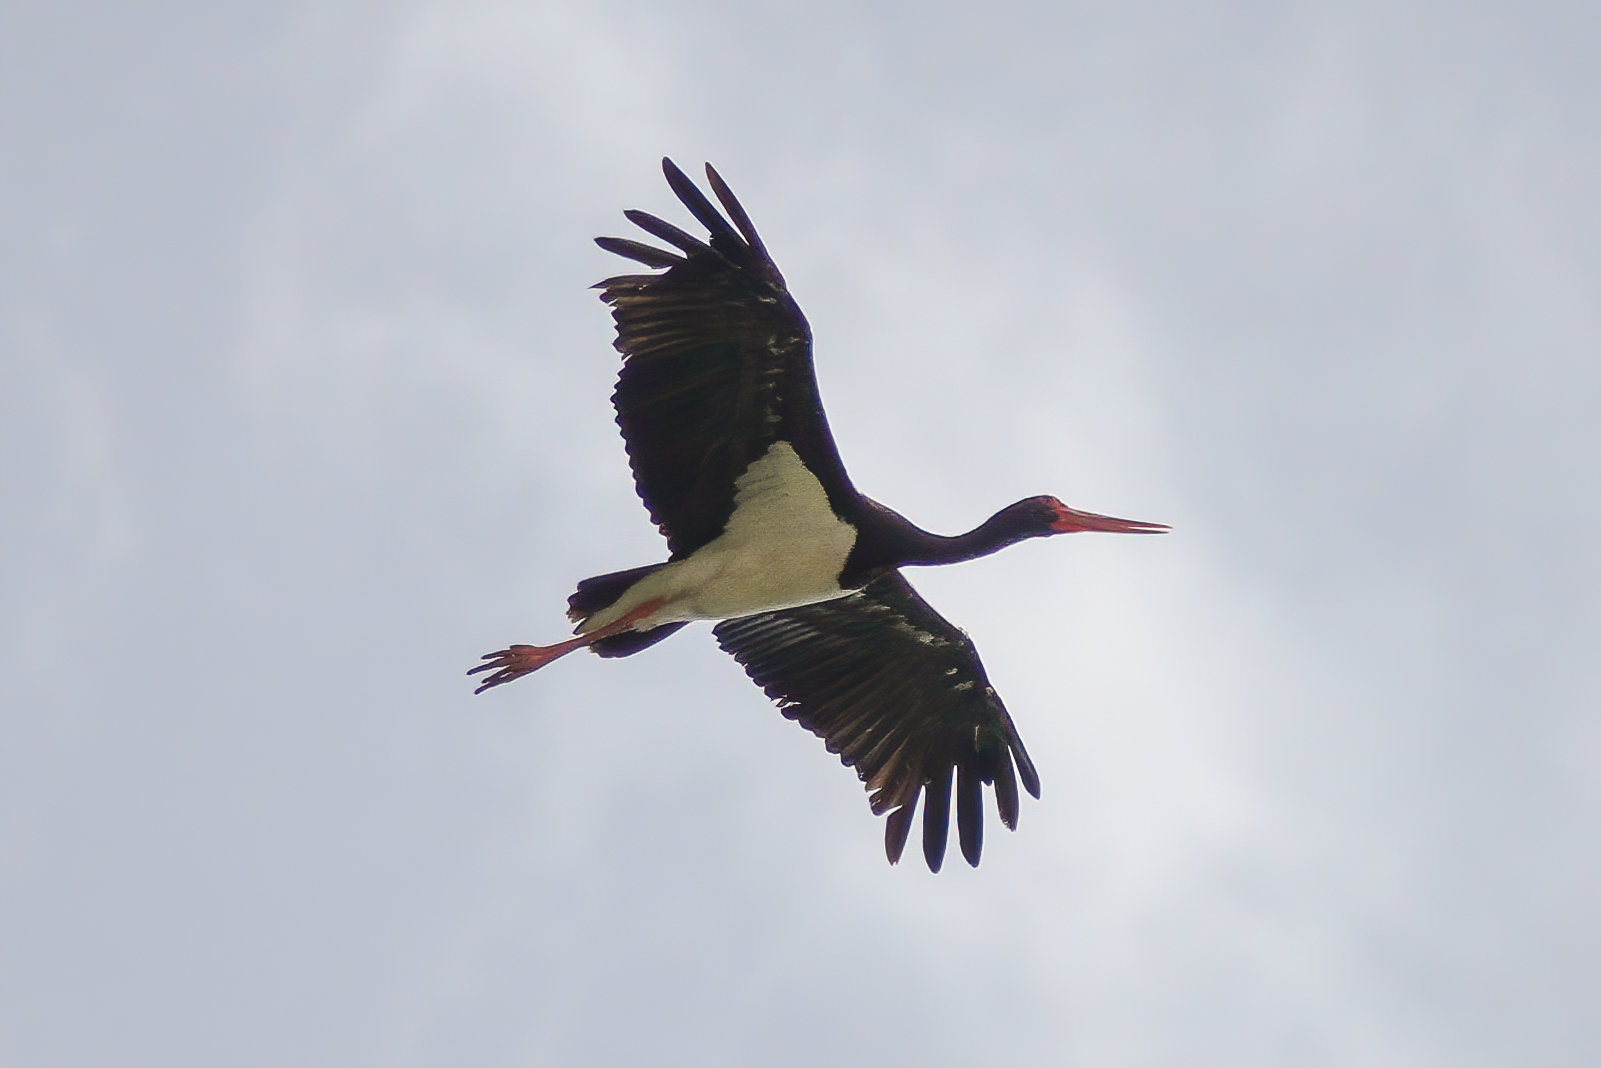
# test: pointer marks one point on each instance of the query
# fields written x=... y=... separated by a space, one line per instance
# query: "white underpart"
x=783 y=547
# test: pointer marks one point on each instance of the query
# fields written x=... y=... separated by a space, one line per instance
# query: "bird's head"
x=1046 y=515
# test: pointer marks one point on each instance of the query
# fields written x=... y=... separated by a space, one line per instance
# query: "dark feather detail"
x=717 y=367
x=691 y=246
x=630 y=642
x=896 y=828
x=936 y=817
x=899 y=694
x=723 y=235
x=970 y=813
x=649 y=255
x=602 y=591
x=736 y=211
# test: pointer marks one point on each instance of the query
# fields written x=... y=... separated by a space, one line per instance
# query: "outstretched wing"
x=717 y=366
x=899 y=693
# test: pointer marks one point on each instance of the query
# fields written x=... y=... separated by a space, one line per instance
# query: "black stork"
x=731 y=453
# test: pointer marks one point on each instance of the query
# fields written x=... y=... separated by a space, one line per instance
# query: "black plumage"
x=900 y=695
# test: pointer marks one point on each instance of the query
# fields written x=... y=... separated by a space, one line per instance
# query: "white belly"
x=783 y=547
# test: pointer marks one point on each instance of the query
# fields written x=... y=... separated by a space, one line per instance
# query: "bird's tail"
x=602 y=591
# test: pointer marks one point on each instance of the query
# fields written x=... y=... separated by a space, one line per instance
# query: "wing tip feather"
x=639 y=252
x=897 y=828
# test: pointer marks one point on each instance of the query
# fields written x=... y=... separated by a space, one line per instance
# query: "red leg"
x=515 y=661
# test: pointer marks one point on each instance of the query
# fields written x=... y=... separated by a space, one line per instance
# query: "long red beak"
x=1071 y=521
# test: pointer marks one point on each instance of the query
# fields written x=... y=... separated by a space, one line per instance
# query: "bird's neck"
x=888 y=539
x=990 y=536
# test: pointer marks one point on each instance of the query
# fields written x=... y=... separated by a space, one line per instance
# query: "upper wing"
x=717 y=366
x=899 y=694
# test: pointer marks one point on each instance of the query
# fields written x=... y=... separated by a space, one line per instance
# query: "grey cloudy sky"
x=304 y=406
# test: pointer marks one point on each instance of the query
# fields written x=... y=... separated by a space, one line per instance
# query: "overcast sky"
x=303 y=404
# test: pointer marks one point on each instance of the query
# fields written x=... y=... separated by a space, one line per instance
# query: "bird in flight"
x=733 y=458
